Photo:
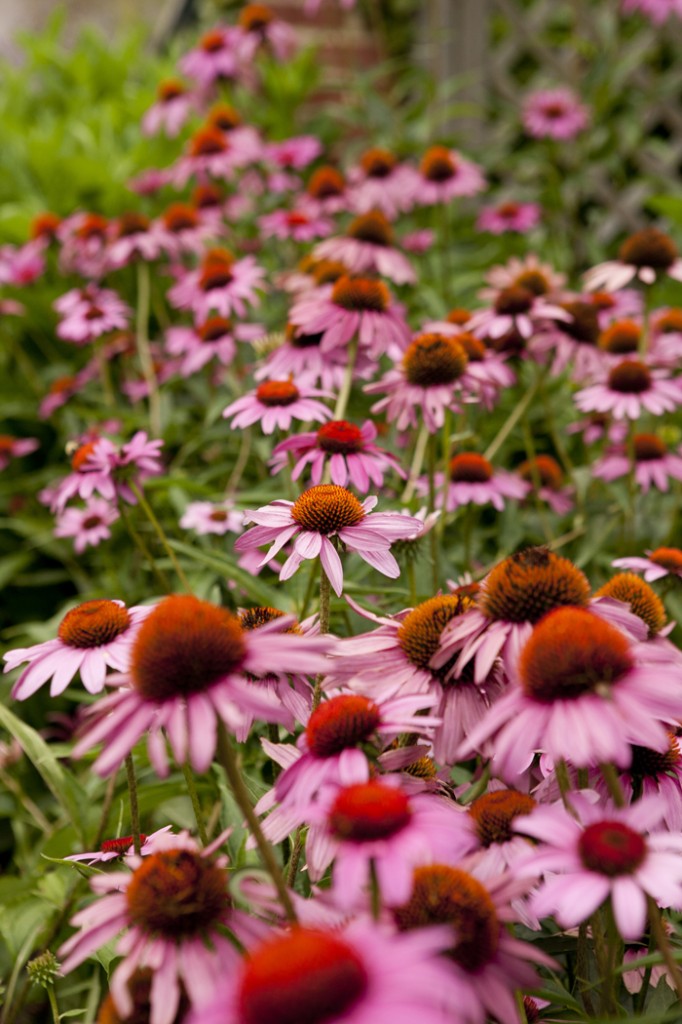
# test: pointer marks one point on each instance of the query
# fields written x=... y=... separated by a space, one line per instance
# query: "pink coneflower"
x=275 y=404
x=357 y=974
x=62 y=389
x=377 y=827
x=220 y=285
x=546 y=475
x=215 y=338
x=515 y=308
x=83 y=238
x=580 y=691
x=654 y=466
x=213 y=152
x=332 y=749
x=298 y=224
x=491 y=820
x=174 y=104
x=116 y=849
x=353 y=306
x=318 y=515
x=22 y=266
x=487 y=372
x=659 y=563
x=347 y=450
x=643 y=256
x=188 y=670
x=509 y=216
x=296 y=152
x=630 y=388
x=183 y=228
x=212 y=517
x=132 y=236
x=657 y=11
x=474 y=480
x=215 y=58
x=444 y=174
x=529 y=273
x=657 y=774
x=368 y=246
x=88 y=526
x=554 y=114
x=515 y=594
x=262 y=29
x=179 y=921
x=380 y=182
x=300 y=358
x=602 y=852
x=326 y=190
x=15 y=448
x=597 y=426
x=99 y=466
x=571 y=343
x=91 y=637
x=486 y=961
x=396 y=659
x=90 y=313
x=429 y=380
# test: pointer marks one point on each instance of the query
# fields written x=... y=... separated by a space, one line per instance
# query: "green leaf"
x=61 y=784
x=254 y=587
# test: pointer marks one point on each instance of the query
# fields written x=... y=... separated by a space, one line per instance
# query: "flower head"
x=644 y=256
x=554 y=114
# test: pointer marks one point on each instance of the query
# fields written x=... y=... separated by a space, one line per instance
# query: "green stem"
x=531 y=455
x=640 y=998
x=347 y=383
x=510 y=423
x=299 y=843
x=143 y=549
x=228 y=759
x=240 y=464
x=661 y=939
x=417 y=463
x=52 y=996
x=196 y=806
x=412 y=580
x=310 y=586
x=610 y=776
x=134 y=809
x=158 y=529
x=143 y=348
x=582 y=968
x=432 y=504
x=109 y=794
x=631 y=520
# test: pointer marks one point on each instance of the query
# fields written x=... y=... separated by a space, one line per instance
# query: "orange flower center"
x=621 y=338
x=214 y=328
x=326 y=182
x=80 y=458
x=139 y=987
x=369 y=811
x=361 y=294
x=340 y=436
x=669 y=558
x=458 y=316
x=255 y=17
x=212 y=42
x=252 y=618
x=495 y=812
x=216 y=270
x=473 y=346
x=533 y=280
x=438 y=164
x=527 y=585
x=631 y=377
x=177 y=894
x=507 y=211
x=93 y=624
x=185 y=646
x=648 y=248
x=207 y=142
x=223 y=117
x=446 y=895
x=670 y=322
x=132 y=224
x=373 y=227
x=648 y=447
x=434 y=359
x=277 y=392
x=470 y=468
x=611 y=848
x=297 y=340
x=571 y=652
x=643 y=600
x=302 y=977
x=652 y=763
x=544 y=468
x=328 y=271
x=340 y=723
x=327 y=509
x=45 y=225
x=92 y=226
x=61 y=384
x=180 y=217
x=91 y=522
x=515 y=299
x=420 y=631
x=206 y=197
x=170 y=89
x=377 y=163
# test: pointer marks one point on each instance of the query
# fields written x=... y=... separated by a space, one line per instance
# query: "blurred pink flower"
x=554 y=114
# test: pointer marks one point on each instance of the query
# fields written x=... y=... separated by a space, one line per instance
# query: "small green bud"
x=43 y=969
